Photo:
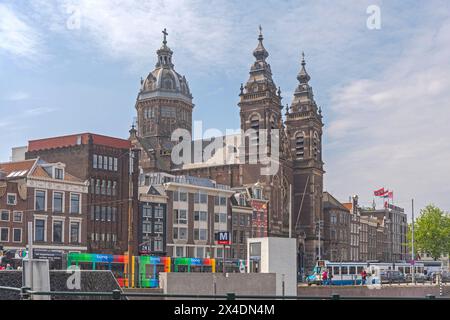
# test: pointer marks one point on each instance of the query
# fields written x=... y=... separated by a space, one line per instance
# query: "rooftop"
x=77 y=139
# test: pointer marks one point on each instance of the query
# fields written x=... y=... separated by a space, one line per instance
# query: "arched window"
x=254 y=124
x=316 y=147
x=168 y=83
x=300 y=145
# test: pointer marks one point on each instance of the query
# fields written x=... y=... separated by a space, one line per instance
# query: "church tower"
x=261 y=109
x=304 y=129
x=164 y=104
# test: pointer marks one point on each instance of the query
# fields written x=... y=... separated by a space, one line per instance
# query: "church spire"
x=303 y=76
x=164 y=54
x=303 y=96
x=260 y=52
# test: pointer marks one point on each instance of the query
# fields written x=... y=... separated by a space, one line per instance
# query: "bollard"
x=116 y=294
x=231 y=296
x=335 y=296
x=24 y=293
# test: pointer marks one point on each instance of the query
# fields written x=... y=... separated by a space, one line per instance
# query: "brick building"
x=105 y=162
x=50 y=197
x=337 y=226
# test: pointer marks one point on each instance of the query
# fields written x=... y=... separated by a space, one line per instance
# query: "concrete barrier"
x=365 y=291
x=218 y=283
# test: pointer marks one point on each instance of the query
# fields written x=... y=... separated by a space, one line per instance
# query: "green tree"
x=431 y=232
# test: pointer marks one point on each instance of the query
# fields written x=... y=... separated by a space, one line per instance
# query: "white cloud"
x=17 y=96
x=392 y=129
x=17 y=38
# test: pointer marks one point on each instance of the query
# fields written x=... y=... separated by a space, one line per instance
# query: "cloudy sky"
x=73 y=66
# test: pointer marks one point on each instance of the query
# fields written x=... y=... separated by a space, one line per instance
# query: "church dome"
x=164 y=81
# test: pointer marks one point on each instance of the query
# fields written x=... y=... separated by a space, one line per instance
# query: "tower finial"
x=165 y=36
x=303 y=58
x=260 y=38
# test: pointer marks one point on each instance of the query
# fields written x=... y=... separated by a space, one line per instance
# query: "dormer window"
x=59 y=174
x=258 y=193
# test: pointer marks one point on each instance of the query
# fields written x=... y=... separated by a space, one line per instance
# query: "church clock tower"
x=304 y=129
x=164 y=104
x=261 y=109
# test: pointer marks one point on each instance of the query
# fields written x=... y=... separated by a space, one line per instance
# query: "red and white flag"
x=379 y=192
x=385 y=194
x=391 y=195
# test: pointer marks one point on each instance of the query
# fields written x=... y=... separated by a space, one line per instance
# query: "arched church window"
x=300 y=145
x=316 y=148
x=254 y=124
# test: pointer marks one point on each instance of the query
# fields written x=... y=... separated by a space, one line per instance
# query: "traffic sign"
x=223 y=238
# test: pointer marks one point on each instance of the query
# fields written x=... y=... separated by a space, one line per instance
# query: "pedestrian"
x=363 y=277
x=325 y=277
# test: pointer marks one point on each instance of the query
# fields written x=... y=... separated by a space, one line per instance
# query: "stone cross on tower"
x=165 y=36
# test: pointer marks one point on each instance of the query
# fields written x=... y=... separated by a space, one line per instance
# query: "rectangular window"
x=95 y=161
x=352 y=270
x=159 y=212
x=242 y=220
x=147 y=211
x=105 y=163
x=103 y=188
x=103 y=214
x=179 y=251
x=17 y=216
x=4 y=234
x=110 y=164
x=223 y=217
x=39 y=230
x=196 y=198
x=200 y=252
x=180 y=233
x=97 y=187
x=203 y=198
x=109 y=188
x=57 y=231
x=183 y=196
x=115 y=164
x=108 y=214
x=17 y=235
x=175 y=196
x=114 y=213
x=59 y=174
x=217 y=218
x=40 y=200
x=97 y=213
x=75 y=203
x=114 y=189
x=147 y=227
x=100 y=162
x=223 y=201
x=11 y=199
x=180 y=216
x=4 y=215
x=158 y=245
x=74 y=232
x=219 y=253
x=158 y=226
x=216 y=201
x=200 y=234
x=57 y=202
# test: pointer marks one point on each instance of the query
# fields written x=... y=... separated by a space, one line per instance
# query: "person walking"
x=363 y=277
x=325 y=277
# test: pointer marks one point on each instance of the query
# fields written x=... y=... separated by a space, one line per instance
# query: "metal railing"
x=27 y=293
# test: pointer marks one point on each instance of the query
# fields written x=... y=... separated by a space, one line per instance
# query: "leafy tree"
x=431 y=232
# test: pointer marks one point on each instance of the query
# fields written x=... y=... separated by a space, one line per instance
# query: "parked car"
x=392 y=276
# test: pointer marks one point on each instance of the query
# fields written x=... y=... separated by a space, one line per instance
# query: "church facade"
x=165 y=103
